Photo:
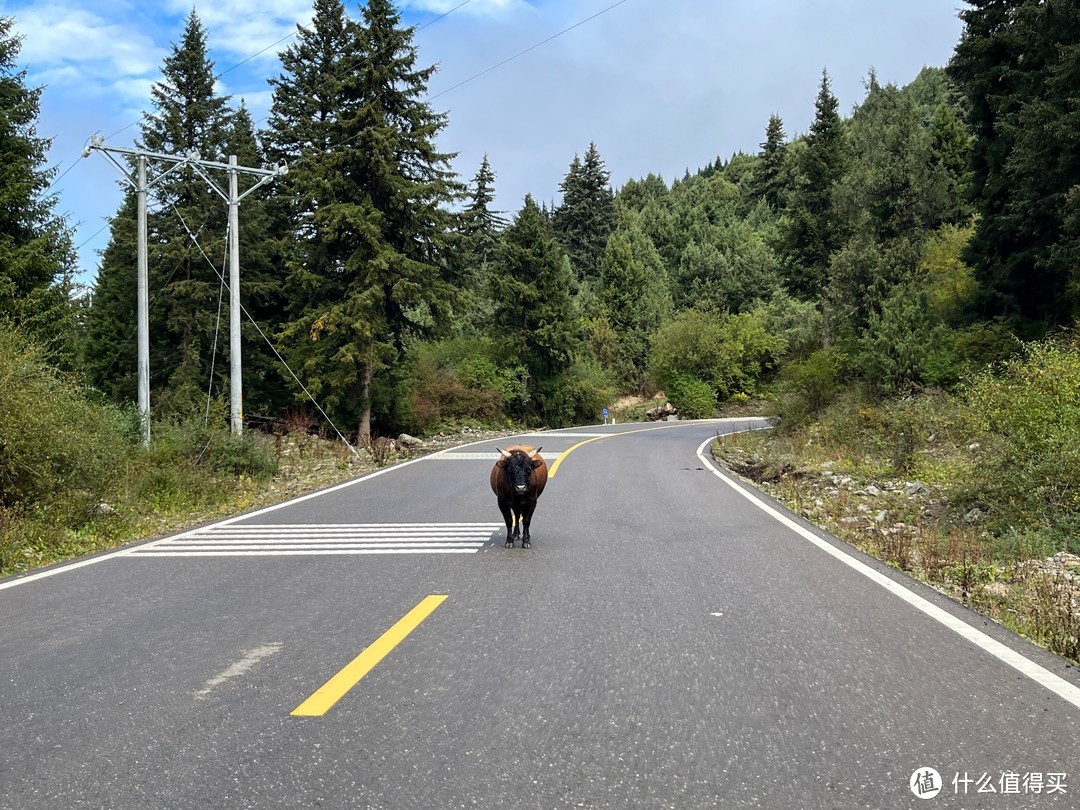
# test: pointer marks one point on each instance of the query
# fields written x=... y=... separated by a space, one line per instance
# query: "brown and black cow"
x=517 y=479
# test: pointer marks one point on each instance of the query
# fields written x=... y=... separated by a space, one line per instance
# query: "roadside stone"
x=405 y=440
x=915 y=488
x=881 y=516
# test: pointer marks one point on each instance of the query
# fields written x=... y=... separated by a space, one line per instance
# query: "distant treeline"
x=897 y=247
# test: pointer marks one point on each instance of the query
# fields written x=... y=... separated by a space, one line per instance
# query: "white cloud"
x=55 y=35
x=243 y=28
x=476 y=7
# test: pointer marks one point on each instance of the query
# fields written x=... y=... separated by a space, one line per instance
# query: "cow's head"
x=518 y=466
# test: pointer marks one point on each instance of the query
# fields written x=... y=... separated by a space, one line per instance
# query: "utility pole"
x=141 y=185
x=233 y=198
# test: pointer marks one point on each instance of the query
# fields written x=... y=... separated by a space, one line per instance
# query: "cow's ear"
x=536 y=462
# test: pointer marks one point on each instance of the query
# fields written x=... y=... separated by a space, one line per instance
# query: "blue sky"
x=659 y=86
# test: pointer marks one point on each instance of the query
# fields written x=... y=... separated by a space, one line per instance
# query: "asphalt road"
x=666 y=642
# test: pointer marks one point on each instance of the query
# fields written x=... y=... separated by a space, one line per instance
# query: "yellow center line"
x=555 y=467
x=335 y=689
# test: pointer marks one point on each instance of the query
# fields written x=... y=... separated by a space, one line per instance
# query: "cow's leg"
x=526 y=519
x=517 y=521
x=508 y=517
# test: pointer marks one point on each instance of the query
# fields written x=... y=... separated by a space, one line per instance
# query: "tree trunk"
x=364 y=437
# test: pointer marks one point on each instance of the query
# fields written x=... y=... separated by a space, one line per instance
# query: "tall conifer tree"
x=481 y=227
x=375 y=204
x=814 y=232
x=186 y=234
x=587 y=216
x=1017 y=64
x=768 y=175
x=531 y=290
x=36 y=257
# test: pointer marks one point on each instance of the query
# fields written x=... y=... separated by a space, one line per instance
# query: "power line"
x=471 y=78
x=527 y=50
x=291 y=34
x=48 y=188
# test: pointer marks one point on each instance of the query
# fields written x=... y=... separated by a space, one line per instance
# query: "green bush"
x=460 y=380
x=899 y=341
x=807 y=387
x=692 y=398
x=577 y=396
x=1029 y=411
x=53 y=440
x=731 y=353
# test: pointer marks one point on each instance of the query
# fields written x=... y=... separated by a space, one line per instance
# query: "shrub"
x=899 y=341
x=1029 y=411
x=460 y=380
x=53 y=440
x=692 y=398
x=807 y=387
x=730 y=353
x=576 y=396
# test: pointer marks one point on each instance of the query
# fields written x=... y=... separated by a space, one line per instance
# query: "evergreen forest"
x=925 y=243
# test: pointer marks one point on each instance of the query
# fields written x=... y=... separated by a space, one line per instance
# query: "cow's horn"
x=536 y=452
x=503 y=453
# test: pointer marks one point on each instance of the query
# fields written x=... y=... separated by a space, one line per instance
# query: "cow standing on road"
x=517 y=479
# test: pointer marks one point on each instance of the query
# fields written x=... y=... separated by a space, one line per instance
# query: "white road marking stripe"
x=1042 y=676
x=331 y=540
x=309 y=552
x=316 y=546
x=548 y=457
x=295 y=539
x=315 y=528
x=373 y=526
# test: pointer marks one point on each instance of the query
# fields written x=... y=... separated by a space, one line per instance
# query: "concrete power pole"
x=141 y=185
x=233 y=198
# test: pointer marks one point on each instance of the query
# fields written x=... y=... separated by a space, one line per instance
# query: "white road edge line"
x=123 y=552
x=1042 y=676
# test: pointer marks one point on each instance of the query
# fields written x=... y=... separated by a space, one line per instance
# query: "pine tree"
x=587 y=216
x=1016 y=63
x=480 y=231
x=189 y=228
x=533 y=315
x=374 y=205
x=633 y=291
x=36 y=256
x=814 y=232
x=186 y=235
x=768 y=175
x=481 y=223
x=306 y=130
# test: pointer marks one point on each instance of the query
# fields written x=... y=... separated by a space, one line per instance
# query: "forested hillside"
x=904 y=246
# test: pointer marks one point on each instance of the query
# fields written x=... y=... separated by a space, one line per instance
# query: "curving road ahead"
x=670 y=640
